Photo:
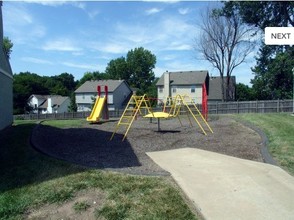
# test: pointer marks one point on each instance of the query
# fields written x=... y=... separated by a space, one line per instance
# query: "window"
x=160 y=89
x=193 y=89
x=83 y=96
x=174 y=89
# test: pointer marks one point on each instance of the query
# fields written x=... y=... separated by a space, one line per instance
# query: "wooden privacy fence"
x=268 y=106
x=271 y=106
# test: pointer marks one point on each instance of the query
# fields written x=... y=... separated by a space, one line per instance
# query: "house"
x=6 y=82
x=119 y=93
x=191 y=83
x=47 y=104
x=215 y=89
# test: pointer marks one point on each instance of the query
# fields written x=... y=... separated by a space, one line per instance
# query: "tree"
x=263 y=14
x=244 y=92
x=140 y=63
x=225 y=43
x=96 y=75
x=117 y=69
x=273 y=75
x=24 y=85
x=7 y=47
x=273 y=71
x=73 y=105
x=136 y=69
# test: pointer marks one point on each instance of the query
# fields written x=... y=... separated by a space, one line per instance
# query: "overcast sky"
x=69 y=36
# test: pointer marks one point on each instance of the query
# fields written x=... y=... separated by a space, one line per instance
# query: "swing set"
x=172 y=108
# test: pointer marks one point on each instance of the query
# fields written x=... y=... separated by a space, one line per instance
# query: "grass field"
x=30 y=180
x=279 y=129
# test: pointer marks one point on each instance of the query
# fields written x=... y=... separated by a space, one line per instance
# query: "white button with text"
x=279 y=35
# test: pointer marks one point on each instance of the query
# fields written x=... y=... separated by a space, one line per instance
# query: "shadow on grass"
x=20 y=164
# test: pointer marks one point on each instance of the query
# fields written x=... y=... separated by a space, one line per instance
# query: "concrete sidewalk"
x=224 y=187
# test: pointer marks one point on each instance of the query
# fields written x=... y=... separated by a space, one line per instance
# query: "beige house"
x=48 y=104
x=6 y=84
x=119 y=93
x=183 y=83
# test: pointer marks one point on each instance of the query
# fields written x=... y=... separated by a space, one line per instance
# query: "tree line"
x=136 y=69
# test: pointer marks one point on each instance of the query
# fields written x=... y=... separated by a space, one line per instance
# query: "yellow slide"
x=97 y=110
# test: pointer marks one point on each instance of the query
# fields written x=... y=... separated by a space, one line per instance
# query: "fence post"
x=256 y=110
x=216 y=107
x=237 y=106
x=278 y=105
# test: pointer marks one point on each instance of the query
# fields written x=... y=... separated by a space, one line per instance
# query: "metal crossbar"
x=134 y=106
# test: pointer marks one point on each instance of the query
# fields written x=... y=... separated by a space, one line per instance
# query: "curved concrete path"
x=224 y=187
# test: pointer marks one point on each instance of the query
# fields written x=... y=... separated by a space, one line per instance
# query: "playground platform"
x=224 y=187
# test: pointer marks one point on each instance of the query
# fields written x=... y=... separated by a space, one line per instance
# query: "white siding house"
x=118 y=93
x=47 y=104
x=6 y=84
x=183 y=83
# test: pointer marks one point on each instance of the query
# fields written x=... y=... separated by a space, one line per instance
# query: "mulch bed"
x=89 y=144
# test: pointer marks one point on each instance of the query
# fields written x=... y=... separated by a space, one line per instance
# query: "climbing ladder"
x=134 y=106
x=181 y=99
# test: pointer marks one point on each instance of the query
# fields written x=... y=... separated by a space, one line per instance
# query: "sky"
x=53 y=37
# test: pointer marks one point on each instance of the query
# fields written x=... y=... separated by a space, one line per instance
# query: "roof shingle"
x=91 y=86
x=185 y=78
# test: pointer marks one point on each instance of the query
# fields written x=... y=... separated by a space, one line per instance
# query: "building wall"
x=6 y=84
x=84 y=100
x=120 y=95
x=6 y=104
x=182 y=90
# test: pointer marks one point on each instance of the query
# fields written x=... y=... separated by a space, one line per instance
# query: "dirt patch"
x=93 y=198
x=89 y=145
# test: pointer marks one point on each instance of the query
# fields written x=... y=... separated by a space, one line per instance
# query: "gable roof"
x=91 y=86
x=215 y=89
x=56 y=100
x=185 y=78
x=38 y=96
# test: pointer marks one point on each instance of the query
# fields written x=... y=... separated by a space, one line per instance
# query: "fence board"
x=267 y=106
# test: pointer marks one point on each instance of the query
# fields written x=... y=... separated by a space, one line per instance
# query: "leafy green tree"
x=263 y=14
x=24 y=85
x=117 y=69
x=96 y=75
x=244 y=92
x=136 y=69
x=73 y=105
x=140 y=63
x=273 y=76
x=7 y=46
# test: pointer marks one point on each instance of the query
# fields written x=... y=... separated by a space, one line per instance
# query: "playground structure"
x=138 y=103
x=100 y=107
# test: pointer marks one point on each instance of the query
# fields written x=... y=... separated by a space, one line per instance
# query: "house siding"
x=120 y=94
x=6 y=82
x=119 y=91
x=183 y=90
x=6 y=104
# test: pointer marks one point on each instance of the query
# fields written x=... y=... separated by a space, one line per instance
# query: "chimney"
x=166 y=84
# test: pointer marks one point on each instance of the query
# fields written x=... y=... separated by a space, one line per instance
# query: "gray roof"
x=39 y=96
x=185 y=78
x=56 y=100
x=91 y=86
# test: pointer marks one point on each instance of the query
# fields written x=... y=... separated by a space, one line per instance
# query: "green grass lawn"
x=279 y=129
x=30 y=180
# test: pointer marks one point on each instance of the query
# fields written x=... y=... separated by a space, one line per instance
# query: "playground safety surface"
x=89 y=144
